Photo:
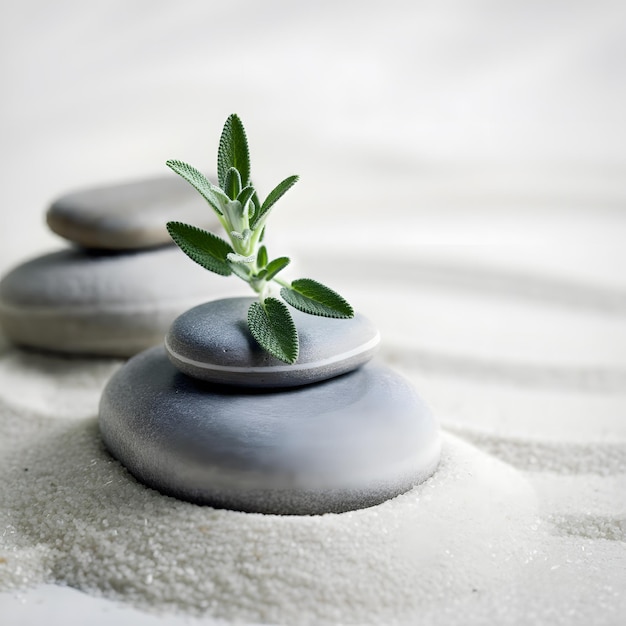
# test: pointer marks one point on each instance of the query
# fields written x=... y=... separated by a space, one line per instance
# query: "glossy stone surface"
x=212 y=342
x=89 y=302
x=349 y=442
x=129 y=216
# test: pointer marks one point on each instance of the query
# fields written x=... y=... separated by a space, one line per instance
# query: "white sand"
x=479 y=539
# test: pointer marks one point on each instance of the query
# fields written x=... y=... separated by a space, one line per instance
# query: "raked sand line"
x=525 y=375
x=601 y=458
x=53 y=386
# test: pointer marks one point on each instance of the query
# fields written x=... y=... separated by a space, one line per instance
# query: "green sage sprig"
x=244 y=217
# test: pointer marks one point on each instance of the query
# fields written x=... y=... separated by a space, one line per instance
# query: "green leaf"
x=199 y=181
x=233 y=151
x=275 y=266
x=257 y=204
x=201 y=246
x=311 y=297
x=272 y=326
x=261 y=257
x=245 y=195
x=232 y=184
x=274 y=196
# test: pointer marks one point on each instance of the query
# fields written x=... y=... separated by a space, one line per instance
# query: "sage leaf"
x=232 y=184
x=256 y=204
x=201 y=246
x=274 y=196
x=244 y=217
x=245 y=195
x=261 y=257
x=233 y=151
x=199 y=181
x=311 y=297
x=275 y=266
x=271 y=324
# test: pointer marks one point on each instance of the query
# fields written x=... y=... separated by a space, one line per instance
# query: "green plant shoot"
x=244 y=218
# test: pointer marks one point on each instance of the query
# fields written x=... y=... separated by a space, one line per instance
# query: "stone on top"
x=212 y=342
x=129 y=216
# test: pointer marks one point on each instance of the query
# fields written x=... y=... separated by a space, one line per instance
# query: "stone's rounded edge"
x=129 y=215
x=93 y=237
x=212 y=344
x=105 y=333
x=173 y=435
x=302 y=502
x=270 y=377
x=94 y=303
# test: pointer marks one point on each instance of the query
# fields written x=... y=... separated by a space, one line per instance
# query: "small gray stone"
x=129 y=216
x=349 y=442
x=212 y=342
x=89 y=302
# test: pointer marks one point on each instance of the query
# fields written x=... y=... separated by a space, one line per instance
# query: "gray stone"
x=212 y=342
x=88 y=302
x=129 y=216
x=349 y=442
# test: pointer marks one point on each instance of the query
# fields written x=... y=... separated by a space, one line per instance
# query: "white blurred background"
x=465 y=130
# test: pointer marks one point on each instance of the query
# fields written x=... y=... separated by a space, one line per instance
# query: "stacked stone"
x=211 y=418
x=116 y=290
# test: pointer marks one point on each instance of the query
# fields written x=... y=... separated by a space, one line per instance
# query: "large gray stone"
x=89 y=302
x=349 y=442
x=129 y=216
x=212 y=342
